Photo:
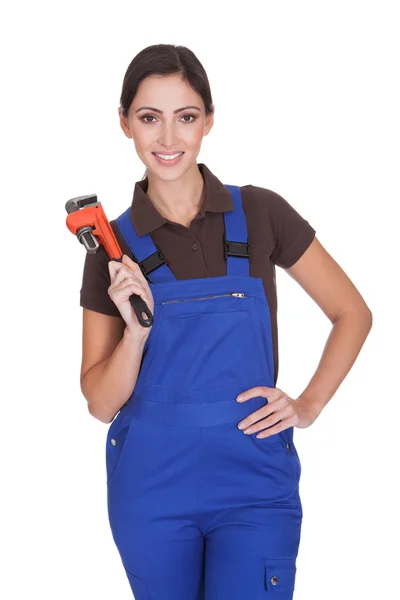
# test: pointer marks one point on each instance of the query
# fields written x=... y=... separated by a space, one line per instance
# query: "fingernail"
x=241 y=426
x=239 y=399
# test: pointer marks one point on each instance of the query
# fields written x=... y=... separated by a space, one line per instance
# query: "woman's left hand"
x=280 y=413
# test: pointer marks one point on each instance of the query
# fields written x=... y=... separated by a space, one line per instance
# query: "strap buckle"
x=152 y=262
x=237 y=249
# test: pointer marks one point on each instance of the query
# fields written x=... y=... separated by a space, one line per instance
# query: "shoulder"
x=269 y=202
x=272 y=215
x=266 y=199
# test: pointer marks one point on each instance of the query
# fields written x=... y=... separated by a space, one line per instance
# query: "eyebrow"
x=161 y=112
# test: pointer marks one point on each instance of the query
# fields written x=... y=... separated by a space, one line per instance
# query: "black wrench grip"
x=140 y=307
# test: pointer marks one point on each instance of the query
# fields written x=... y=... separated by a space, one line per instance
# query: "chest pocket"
x=204 y=349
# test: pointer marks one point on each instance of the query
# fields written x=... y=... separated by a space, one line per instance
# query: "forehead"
x=166 y=93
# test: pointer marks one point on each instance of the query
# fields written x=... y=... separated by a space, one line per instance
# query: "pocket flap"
x=116 y=441
x=280 y=574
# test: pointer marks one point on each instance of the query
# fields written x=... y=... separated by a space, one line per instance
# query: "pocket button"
x=274 y=580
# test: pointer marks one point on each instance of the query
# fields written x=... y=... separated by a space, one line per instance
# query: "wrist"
x=310 y=405
x=136 y=335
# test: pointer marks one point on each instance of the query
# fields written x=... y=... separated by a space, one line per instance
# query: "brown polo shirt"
x=277 y=235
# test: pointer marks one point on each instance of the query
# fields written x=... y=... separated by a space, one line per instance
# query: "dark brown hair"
x=165 y=59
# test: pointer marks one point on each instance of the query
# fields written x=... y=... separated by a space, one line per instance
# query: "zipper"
x=234 y=294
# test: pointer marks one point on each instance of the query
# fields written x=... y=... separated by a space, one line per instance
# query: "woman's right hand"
x=127 y=279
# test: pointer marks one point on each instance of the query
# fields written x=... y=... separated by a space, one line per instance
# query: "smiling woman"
x=167 y=119
x=171 y=157
x=186 y=487
x=177 y=69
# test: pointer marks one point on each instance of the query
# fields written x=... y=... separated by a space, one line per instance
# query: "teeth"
x=169 y=157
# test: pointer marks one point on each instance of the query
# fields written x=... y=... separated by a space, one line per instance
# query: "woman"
x=203 y=491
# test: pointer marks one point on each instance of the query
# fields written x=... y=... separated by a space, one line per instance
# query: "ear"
x=209 y=122
x=123 y=121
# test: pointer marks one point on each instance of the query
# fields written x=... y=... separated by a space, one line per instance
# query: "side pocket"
x=290 y=450
x=117 y=439
x=283 y=443
x=138 y=586
x=279 y=577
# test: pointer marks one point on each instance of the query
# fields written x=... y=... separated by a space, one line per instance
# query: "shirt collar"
x=146 y=218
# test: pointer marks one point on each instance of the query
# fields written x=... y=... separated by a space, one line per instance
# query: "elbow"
x=99 y=413
x=370 y=317
x=367 y=317
x=96 y=409
x=363 y=315
x=359 y=313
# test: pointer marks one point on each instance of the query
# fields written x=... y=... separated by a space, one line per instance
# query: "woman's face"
x=165 y=128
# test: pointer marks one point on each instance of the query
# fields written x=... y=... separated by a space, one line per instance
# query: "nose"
x=167 y=135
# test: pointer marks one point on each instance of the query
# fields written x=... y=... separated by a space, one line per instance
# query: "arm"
x=328 y=285
x=111 y=358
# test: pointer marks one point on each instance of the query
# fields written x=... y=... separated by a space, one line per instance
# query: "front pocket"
x=284 y=441
x=265 y=444
x=117 y=440
x=204 y=351
x=278 y=578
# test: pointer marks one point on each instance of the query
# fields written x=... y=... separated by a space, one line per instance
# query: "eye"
x=192 y=116
x=147 y=117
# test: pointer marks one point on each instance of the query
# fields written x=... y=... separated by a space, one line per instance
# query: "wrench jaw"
x=71 y=206
x=80 y=202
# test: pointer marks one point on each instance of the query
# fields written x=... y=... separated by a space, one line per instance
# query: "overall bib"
x=199 y=510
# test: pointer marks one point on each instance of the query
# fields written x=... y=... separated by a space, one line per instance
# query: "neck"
x=179 y=200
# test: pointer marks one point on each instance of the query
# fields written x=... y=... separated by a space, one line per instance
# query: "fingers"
x=278 y=409
x=128 y=261
x=133 y=287
x=273 y=424
x=261 y=390
x=127 y=279
x=135 y=268
x=127 y=268
x=125 y=276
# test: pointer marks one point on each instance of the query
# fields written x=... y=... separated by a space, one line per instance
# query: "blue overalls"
x=199 y=510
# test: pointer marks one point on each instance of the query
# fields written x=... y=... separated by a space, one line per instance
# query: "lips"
x=168 y=161
x=168 y=153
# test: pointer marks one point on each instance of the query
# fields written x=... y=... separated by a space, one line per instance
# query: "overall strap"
x=236 y=247
x=144 y=250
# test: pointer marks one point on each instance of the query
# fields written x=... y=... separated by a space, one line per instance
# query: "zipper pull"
x=237 y=294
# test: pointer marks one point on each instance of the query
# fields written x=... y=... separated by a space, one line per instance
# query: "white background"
x=307 y=104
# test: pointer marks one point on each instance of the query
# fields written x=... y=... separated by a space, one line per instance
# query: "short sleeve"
x=292 y=232
x=95 y=283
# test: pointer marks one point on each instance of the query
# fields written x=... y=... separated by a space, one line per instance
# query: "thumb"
x=128 y=261
x=134 y=266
